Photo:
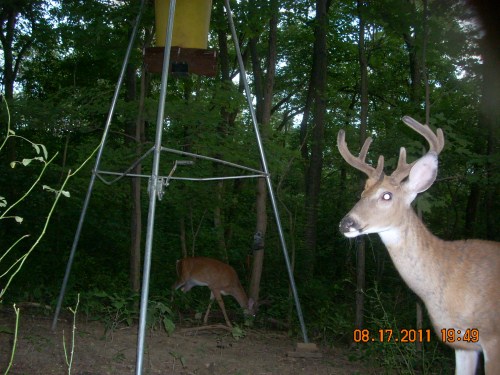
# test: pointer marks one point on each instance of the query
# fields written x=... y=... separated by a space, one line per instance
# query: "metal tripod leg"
x=154 y=185
x=265 y=169
x=96 y=167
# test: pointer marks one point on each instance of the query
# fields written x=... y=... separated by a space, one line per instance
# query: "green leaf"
x=180 y=357
x=45 y=153
x=63 y=192
x=101 y=293
x=169 y=325
x=237 y=333
x=4 y=329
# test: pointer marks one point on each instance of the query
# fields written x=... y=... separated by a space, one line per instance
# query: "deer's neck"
x=239 y=294
x=415 y=253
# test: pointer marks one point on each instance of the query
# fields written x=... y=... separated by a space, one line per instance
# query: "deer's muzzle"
x=349 y=227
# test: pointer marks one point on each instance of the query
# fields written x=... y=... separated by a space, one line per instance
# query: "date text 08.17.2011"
x=389 y=335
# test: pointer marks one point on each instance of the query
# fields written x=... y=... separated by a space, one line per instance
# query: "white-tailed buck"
x=219 y=277
x=458 y=281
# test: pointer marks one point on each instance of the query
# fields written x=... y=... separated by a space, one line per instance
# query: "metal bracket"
x=163 y=182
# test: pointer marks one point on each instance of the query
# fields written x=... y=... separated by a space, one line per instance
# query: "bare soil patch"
x=39 y=350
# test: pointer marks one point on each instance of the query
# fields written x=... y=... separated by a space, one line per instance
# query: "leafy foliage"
x=63 y=90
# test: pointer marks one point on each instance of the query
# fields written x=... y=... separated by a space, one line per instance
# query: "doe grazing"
x=219 y=277
x=458 y=281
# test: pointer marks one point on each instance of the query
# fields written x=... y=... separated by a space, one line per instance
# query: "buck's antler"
x=436 y=144
x=436 y=141
x=359 y=162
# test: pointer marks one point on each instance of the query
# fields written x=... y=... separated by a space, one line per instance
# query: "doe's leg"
x=218 y=297
x=205 y=319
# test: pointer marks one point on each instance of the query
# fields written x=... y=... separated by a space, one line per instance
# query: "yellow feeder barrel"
x=191 y=23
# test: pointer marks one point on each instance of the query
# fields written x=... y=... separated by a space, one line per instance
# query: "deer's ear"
x=422 y=174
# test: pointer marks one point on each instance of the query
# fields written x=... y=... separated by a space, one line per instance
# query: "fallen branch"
x=205 y=328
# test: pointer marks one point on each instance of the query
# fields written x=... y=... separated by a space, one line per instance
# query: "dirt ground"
x=187 y=351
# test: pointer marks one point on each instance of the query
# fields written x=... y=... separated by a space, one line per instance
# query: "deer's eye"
x=387 y=196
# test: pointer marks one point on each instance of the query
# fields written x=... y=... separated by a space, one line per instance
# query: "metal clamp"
x=163 y=182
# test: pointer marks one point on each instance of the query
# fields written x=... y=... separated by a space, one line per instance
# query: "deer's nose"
x=348 y=224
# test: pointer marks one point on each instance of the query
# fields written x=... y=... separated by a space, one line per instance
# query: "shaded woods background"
x=314 y=67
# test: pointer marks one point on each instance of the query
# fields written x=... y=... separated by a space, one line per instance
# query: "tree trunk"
x=222 y=215
x=135 y=217
x=425 y=75
x=136 y=136
x=14 y=51
x=315 y=167
x=264 y=93
x=415 y=71
x=411 y=38
x=360 y=243
x=219 y=222
x=427 y=93
x=489 y=123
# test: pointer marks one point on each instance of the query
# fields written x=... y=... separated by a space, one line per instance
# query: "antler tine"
x=436 y=141
x=359 y=162
x=364 y=149
x=403 y=169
